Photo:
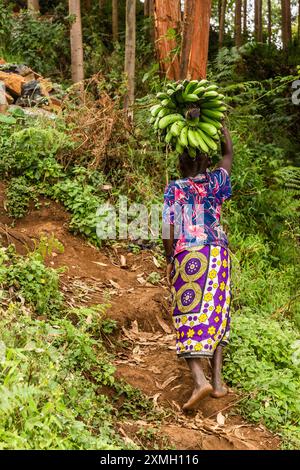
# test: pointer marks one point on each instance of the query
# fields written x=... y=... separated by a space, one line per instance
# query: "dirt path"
x=145 y=353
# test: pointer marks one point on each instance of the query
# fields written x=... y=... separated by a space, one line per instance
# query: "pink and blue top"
x=193 y=206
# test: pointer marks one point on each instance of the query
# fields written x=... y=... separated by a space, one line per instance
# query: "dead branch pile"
x=97 y=123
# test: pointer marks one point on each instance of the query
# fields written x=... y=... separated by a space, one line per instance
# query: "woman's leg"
x=202 y=386
x=219 y=390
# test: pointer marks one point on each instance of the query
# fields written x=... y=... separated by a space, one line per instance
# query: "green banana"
x=193 y=84
x=215 y=123
x=152 y=119
x=199 y=91
x=162 y=96
x=179 y=148
x=164 y=112
x=169 y=137
x=212 y=104
x=208 y=128
x=191 y=98
x=183 y=138
x=170 y=92
x=212 y=88
x=192 y=139
x=208 y=140
x=202 y=82
x=177 y=127
x=168 y=103
x=201 y=143
x=154 y=110
x=167 y=120
x=156 y=124
x=179 y=87
x=210 y=94
x=211 y=113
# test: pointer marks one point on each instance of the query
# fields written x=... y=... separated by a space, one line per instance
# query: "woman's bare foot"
x=219 y=391
x=198 y=394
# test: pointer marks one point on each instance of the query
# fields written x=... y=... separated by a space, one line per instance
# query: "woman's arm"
x=169 y=251
x=227 y=151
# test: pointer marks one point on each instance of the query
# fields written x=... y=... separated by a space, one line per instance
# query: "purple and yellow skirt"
x=201 y=300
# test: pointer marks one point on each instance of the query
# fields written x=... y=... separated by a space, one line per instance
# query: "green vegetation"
x=54 y=364
x=57 y=384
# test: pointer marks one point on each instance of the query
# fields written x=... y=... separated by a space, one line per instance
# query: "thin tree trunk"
x=199 y=51
x=115 y=20
x=187 y=36
x=167 y=16
x=130 y=45
x=33 y=5
x=151 y=7
x=222 y=22
x=245 y=19
x=258 y=21
x=146 y=8
x=269 y=22
x=238 y=23
x=76 y=42
x=286 y=23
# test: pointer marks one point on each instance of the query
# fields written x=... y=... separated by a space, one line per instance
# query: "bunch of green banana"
x=171 y=117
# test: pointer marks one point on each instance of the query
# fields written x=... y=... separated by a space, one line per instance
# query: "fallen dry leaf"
x=175 y=388
x=178 y=408
x=220 y=419
x=166 y=382
x=106 y=187
x=123 y=262
x=114 y=284
x=164 y=325
x=155 y=398
x=141 y=280
x=99 y=263
x=156 y=262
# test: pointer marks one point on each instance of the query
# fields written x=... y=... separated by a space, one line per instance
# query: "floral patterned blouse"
x=193 y=206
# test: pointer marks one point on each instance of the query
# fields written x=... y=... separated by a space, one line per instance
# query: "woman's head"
x=193 y=166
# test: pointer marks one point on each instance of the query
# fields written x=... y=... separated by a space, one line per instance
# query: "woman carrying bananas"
x=198 y=266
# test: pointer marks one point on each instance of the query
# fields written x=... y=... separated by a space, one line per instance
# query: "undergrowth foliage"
x=54 y=364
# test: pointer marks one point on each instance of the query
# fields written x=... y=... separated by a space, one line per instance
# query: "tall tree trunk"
x=286 y=23
x=258 y=33
x=146 y=8
x=130 y=45
x=115 y=20
x=76 y=42
x=269 y=22
x=167 y=16
x=199 y=51
x=222 y=22
x=187 y=36
x=238 y=23
x=33 y=5
x=245 y=19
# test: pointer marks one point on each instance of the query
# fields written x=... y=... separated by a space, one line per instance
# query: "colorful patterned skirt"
x=201 y=300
